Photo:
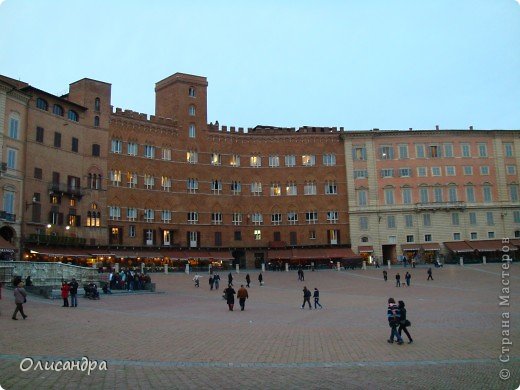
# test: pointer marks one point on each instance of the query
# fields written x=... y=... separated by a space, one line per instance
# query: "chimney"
x=410 y=129
x=471 y=127
x=436 y=127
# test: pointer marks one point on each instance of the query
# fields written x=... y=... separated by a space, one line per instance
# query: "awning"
x=410 y=247
x=459 y=246
x=60 y=252
x=6 y=246
x=175 y=255
x=431 y=246
x=197 y=255
x=312 y=254
x=490 y=246
x=102 y=254
x=136 y=254
x=221 y=255
x=365 y=248
x=279 y=254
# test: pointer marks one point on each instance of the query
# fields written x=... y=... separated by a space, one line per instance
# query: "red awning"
x=196 y=254
x=431 y=246
x=137 y=254
x=221 y=255
x=410 y=247
x=459 y=246
x=490 y=246
x=324 y=253
x=365 y=248
x=280 y=254
x=175 y=255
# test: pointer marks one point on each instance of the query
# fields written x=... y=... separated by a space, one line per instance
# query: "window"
x=486 y=191
x=274 y=161
x=438 y=194
x=57 y=110
x=57 y=139
x=489 y=218
x=386 y=153
x=363 y=223
x=131 y=179
x=405 y=172
x=42 y=104
x=362 y=197
x=389 y=196
x=236 y=187
x=131 y=149
x=255 y=161
x=448 y=150
x=149 y=182
x=131 y=231
x=456 y=236
x=419 y=150
x=470 y=194
x=39 y=134
x=11 y=158
x=482 y=150
x=472 y=218
x=238 y=235
x=511 y=169
x=436 y=171
x=508 y=149
x=465 y=150
x=408 y=220
x=427 y=220
x=424 y=195
x=38 y=174
x=191 y=110
x=468 y=170
x=450 y=170
x=96 y=150
x=94 y=181
x=236 y=219
x=114 y=213
x=309 y=188
x=516 y=216
x=216 y=186
x=149 y=215
x=422 y=172
x=14 y=124
x=257 y=219
x=75 y=144
x=193 y=217
x=434 y=151
x=386 y=173
x=93 y=216
x=257 y=234
x=216 y=218
x=491 y=234
x=192 y=157
x=73 y=116
x=292 y=217
x=427 y=238
x=290 y=161
x=116 y=146
x=452 y=194
x=329 y=160
x=513 y=192
x=390 y=221
x=191 y=131
x=359 y=153
x=149 y=151
x=311 y=217
x=191 y=91
x=308 y=160
x=131 y=213
x=360 y=174
x=291 y=189
x=403 y=151
x=331 y=187
x=276 y=189
x=312 y=234
x=218 y=238
x=332 y=216
x=166 y=183
x=484 y=170
x=276 y=219
x=166 y=216
x=235 y=160
x=473 y=235
x=455 y=219
x=115 y=178
x=407 y=195
x=256 y=188
x=216 y=159
x=166 y=154
x=409 y=238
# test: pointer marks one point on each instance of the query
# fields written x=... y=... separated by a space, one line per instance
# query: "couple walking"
x=396 y=315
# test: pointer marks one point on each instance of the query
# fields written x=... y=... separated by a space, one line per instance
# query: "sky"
x=357 y=64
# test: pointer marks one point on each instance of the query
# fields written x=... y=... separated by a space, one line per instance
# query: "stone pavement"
x=185 y=337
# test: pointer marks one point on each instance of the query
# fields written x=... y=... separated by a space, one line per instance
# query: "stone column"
x=461 y=260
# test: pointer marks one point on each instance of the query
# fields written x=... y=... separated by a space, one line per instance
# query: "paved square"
x=186 y=338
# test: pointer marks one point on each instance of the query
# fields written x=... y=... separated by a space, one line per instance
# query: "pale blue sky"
x=359 y=64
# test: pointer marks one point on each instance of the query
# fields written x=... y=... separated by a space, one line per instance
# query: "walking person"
x=242 y=295
x=385 y=275
x=65 y=293
x=216 y=281
x=261 y=279
x=403 y=322
x=317 y=298
x=230 y=297
x=230 y=279
x=306 y=297
x=20 y=297
x=73 y=293
x=302 y=276
x=248 y=280
x=407 y=278
x=397 y=280
x=211 y=282
x=430 y=274
x=393 y=316
x=196 y=279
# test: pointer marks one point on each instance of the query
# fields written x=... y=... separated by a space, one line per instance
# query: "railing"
x=440 y=206
x=5 y=216
x=55 y=240
x=66 y=189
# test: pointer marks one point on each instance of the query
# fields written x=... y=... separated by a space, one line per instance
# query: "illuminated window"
x=276 y=189
x=115 y=178
x=235 y=160
x=308 y=160
x=166 y=183
x=257 y=234
x=191 y=157
x=291 y=189
x=215 y=159
x=255 y=161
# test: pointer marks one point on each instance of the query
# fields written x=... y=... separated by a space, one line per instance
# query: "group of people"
x=128 y=279
x=307 y=298
x=398 y=321
x=69 y=289
x=407 y=277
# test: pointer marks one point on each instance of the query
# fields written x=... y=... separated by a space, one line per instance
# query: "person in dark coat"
x=393 y=315
x=230 y=279
x=242 y=295
x=306 y=297
x=261 y=279
x=248 y=280
x=385 y=275
x=19 y=299
x=73 y=293
x=317 y=298
x=403 y=322
x=397 y=280
x=230 y=297
x=430 y=274
x=211 y=282
x=407 y=278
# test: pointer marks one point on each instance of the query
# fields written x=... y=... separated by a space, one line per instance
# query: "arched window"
x=93 y=216
x=42 y=104
x=191 y=92
x=364 y=239
x=97 y=104
x=96 y=121
x=191 y=110
x=57 y=110
x=73 y=115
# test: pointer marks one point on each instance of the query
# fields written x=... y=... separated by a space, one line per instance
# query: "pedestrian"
x=413 y=262
x=20 y=297
x=430 y=274
x=306 y=297
x=261 y=279
x=377 y=264
x=397 y=280
x=385 y=275
x=317 y=298
x=216 y=281
x=211 y=282
x=230 y=297
x=65 y=293
x=242 y=295
x=73 y=293
x=403 y=322
x=302 y=276
x=248 y=280
x=393 y=316
x=407 y=278
x=196 y=279
x=230 y=279
x=299 y=274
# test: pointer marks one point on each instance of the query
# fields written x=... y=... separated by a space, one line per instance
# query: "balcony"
x=65 y=189
x=436 y=206
x=5 y=216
